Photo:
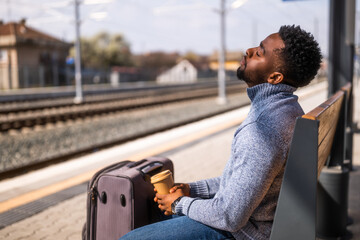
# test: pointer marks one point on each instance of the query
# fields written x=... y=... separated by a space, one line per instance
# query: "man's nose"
x=250 y=52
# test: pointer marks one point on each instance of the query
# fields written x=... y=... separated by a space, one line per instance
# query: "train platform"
x=51 y=203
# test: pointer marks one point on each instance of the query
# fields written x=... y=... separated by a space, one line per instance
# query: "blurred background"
x=138 y=40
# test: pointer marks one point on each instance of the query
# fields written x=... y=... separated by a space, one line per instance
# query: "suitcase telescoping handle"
x=152 y=168
x=149 y=169
x=137 y=163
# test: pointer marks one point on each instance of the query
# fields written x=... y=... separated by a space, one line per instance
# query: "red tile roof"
x=22 y=31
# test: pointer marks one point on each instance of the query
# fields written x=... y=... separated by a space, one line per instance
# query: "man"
x=241 y=203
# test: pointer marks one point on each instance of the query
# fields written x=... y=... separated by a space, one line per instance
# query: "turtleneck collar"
x=263 y=91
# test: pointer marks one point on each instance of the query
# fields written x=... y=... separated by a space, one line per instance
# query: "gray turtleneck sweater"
x=243 y=200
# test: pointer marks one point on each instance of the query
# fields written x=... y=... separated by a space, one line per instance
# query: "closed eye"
x=257 y=53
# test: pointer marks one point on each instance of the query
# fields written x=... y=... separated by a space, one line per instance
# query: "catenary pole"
x=221 y=71
x=78 y=85
x=222 y=53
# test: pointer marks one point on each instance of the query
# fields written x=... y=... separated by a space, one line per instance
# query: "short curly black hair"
x=301 y=56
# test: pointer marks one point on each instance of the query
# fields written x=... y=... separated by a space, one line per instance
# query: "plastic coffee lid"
x=160 y=176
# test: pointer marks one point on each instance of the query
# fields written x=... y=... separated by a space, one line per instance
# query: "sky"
x=173 y=25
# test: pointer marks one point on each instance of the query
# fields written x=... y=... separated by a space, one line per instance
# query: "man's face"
x=259 y=62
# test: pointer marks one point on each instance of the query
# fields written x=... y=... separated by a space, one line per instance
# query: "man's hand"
x=185 y=188
x=165 y=201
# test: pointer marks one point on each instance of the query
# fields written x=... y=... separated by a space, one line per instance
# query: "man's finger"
x=160 y=196
x=167 y=213
x=173 y=189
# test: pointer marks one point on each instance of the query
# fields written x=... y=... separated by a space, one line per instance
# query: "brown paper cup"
x=163 y=182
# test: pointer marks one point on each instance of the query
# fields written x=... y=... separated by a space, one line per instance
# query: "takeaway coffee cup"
x=163 y=182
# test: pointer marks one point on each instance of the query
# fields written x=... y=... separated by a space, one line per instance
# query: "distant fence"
x=41 y=76
x=27 y=77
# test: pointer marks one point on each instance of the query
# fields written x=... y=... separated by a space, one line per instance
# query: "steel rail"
x=52 y=115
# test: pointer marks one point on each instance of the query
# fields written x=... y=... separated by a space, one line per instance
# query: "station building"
x=30 y=58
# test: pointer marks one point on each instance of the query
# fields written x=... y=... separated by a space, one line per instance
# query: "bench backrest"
x=312 y=143
x=327 y=115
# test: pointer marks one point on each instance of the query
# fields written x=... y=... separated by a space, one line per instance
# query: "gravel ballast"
x=20 y=149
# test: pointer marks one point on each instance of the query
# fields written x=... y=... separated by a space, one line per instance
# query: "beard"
x=240 y=72
x=241 y=75
x=250 y=78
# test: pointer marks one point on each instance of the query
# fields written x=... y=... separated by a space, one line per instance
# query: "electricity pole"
x=78 y=86
x=221 y=71
x=221 y=57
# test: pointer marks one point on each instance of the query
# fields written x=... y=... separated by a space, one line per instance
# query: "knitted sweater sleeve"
x=258 y=155
x=205 y=188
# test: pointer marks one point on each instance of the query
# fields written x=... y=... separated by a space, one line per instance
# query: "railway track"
x=64 y=97
x=99 y=97
x=18 y=116
x=21 y=153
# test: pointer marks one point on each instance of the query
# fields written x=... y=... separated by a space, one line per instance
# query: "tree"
x=192 y=56
x=104 y=50
x=157 y=60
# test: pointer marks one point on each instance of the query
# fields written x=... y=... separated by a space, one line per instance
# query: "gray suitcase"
x=121 y=198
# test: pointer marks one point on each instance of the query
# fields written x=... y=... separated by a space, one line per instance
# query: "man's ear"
x=275 y=78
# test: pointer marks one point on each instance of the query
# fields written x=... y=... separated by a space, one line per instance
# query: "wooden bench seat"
x=310 y=150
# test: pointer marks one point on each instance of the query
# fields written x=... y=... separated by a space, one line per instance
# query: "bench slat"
x=324 y=150
x=327 y=114
x=328 y=119
x=319 y=110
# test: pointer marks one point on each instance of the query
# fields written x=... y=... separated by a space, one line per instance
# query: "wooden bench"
x=318 y=141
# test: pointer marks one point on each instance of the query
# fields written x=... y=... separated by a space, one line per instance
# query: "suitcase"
x=121 y=198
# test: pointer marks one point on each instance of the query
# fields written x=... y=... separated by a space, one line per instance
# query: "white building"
x=183 y=72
